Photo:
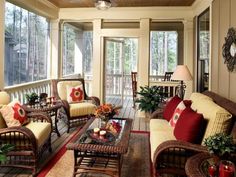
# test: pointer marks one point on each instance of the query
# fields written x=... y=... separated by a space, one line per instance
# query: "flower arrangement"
x=106 y=111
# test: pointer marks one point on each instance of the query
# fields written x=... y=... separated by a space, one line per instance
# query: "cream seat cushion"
x=41 y=131
x=160 y=131
x=81 y=109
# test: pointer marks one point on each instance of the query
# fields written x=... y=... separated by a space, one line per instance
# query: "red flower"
x=19 y=113
x=76 y=94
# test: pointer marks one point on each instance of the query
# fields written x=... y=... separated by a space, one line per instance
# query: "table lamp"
x=181 y=74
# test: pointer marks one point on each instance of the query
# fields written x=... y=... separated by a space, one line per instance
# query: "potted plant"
x=220 y=145
x=31 y=97
x=150 y=98
x=4 y=149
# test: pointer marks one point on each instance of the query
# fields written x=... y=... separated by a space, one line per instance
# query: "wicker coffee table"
x=103 y=156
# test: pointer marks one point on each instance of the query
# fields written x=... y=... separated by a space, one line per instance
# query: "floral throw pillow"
x=178 y=110
x=14 y=114
x=75 y=94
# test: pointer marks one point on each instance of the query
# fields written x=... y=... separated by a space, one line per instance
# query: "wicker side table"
x=197 y=165
x=50 y=109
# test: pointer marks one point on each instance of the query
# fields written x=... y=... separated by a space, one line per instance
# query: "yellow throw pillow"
x=75 y=94
x=14 y=114
x=218 y=118
x=197 y=98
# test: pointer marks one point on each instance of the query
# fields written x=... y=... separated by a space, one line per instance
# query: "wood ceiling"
x=122 y=3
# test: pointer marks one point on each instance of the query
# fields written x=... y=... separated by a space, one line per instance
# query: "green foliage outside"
x=150 y=98
x=220 y=144
x=163 y=51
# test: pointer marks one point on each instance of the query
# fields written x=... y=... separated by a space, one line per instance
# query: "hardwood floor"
x=127 y=111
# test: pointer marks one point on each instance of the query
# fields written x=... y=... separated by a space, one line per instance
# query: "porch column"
x=55 y=65
x=2 y=39
x=144 y=54
x=97 y=82
x=188 y=54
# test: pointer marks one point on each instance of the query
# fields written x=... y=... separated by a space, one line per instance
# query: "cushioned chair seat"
x=158 y=137
x=41 y=130
x=81 y=109
x=160 y=125
x=160 y=131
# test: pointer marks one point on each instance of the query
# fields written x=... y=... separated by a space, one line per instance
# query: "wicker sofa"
x=29 y=140
x=170 y=155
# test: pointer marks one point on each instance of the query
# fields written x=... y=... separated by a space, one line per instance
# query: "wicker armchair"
x=29 y=142
x=76 y=113
x=171 y=156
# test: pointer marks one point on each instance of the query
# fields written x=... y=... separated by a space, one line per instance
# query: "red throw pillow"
x=187 y=103
x=188 y=127
x=170 y=107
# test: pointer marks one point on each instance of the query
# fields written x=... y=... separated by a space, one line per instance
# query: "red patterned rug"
x=136 y=161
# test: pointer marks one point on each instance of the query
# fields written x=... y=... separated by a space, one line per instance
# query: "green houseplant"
x=4 y=149
x=150 y=98
x=31 y=97
x=220 y=145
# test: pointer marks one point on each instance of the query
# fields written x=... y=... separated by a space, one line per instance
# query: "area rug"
x=136 y=161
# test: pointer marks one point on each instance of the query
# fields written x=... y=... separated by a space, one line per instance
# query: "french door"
x=120 y=60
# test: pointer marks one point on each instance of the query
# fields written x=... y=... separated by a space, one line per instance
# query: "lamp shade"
x=103 y=4
x=182 y=73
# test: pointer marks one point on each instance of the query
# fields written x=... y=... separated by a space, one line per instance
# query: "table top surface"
x=86 y=140
x=44 y=106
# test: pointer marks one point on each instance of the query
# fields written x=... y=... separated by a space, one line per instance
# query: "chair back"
x=59 y=87
x=167 y=76
x=4 y=100
x=134 y=86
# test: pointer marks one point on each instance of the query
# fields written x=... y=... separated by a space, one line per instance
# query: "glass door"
x=120 y=60
x=203 y=51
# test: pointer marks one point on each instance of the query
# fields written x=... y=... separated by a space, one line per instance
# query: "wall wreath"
x=229 y=49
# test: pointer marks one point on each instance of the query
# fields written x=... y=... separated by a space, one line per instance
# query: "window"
x=77 y=50
x=163 y=52
x=26 y=46
x=166 y=48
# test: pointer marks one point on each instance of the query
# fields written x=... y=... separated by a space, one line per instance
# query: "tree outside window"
x=163 y=52
x=26 y=46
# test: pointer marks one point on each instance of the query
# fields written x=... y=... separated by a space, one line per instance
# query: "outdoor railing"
x=18 y=91
x=169 y=87
x=113 y=86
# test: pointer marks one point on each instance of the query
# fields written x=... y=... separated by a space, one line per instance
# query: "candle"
x=212 y=170
x=226 y=169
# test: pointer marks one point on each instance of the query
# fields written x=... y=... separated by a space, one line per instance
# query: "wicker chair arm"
x=39 y=117
x=157 y=114
x=21 y=137
x=95 y=100
x=65 y=105
x=178 y=149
